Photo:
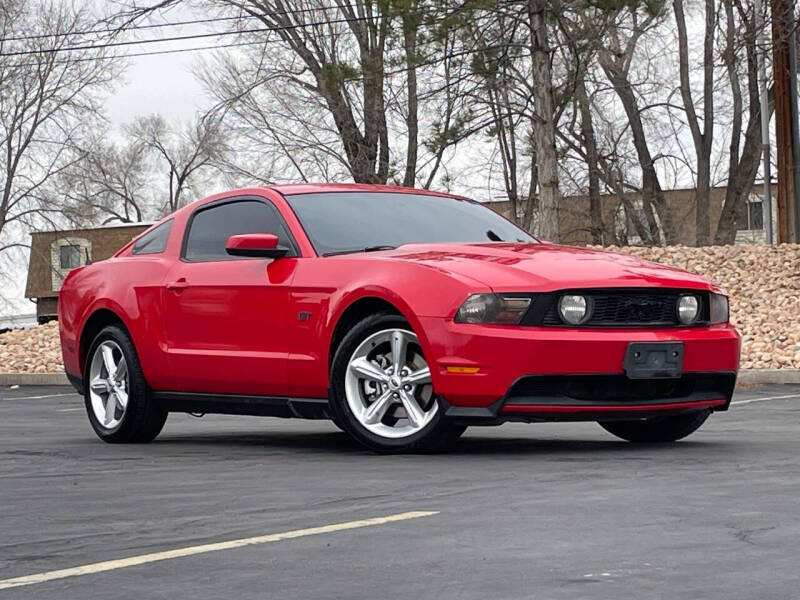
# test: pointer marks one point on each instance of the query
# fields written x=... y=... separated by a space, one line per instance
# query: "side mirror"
x=260 y=245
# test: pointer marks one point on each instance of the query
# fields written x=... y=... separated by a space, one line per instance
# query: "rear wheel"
x=658 y=429
x=382 y=390
x=117 y=398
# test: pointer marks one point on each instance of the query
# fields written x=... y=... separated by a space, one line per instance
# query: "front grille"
x=626 y=307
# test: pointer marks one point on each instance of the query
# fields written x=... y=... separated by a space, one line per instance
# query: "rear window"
x=154 y=241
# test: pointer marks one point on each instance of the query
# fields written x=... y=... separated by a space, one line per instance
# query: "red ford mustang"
x=402 y=315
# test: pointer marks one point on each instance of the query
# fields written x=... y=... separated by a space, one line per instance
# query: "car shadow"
x=472 y=444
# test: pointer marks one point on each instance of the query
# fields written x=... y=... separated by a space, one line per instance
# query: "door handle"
x=178 y=286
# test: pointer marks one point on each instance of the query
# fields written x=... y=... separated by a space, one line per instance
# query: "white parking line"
x=131 y=561
x=71 y=409
x=39 y=397
x=786 y=397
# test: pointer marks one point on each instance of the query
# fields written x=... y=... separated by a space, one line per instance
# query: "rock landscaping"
x=32 y=350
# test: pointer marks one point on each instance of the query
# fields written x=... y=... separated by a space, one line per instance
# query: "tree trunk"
x=702 y=138
x=412 y=120
x=598 y=228
x=543 y=126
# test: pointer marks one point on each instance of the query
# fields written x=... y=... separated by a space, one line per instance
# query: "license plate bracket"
x=658 y=360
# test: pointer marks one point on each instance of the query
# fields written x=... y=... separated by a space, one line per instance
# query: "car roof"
x=320 y=188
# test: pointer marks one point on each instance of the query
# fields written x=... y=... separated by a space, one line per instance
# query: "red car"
x=402 y=315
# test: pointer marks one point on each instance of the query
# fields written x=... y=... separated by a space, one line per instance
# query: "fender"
x=103 y=304
x=378 y=292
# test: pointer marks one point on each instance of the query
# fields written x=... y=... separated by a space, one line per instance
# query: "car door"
x=226 y=317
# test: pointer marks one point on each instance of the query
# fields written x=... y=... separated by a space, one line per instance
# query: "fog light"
x=688 y=309
x=573 y=309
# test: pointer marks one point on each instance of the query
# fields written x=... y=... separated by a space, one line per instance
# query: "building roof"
x=109 y=227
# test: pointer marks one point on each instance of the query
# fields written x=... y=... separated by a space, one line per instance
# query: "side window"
x=154 y=241
x=211 y=227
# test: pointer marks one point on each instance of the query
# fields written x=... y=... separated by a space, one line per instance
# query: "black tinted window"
x=154 y=241
x=211 y=227
x=344 y=221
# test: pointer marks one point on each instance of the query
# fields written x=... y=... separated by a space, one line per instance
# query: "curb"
x=7 y=379
x=764 y=376
x=746 y=377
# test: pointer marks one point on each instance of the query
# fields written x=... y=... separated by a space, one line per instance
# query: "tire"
x=138 y=419
x=396 y=431
x=657 y=430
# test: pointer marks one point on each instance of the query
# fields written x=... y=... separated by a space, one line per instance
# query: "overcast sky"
x=163 y=83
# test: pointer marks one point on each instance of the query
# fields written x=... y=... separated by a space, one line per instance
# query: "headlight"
x=718 y=308
x=574 y=309
x=688 y=309
x=492 y=308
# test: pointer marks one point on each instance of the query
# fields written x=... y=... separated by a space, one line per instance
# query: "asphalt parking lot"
x=519 y=511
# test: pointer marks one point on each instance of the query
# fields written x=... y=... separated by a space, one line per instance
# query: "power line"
x=429 y=62
x=42 y=36
x=177 y=38
x=112 y=30
x=154 y=53
x=208 y=47
x=159 y=25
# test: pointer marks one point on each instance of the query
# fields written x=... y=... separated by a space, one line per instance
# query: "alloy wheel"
x=108 y=384
x=388 y=384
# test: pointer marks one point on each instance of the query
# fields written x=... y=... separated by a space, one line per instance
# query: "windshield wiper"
x=356 y=250
x=493 y=236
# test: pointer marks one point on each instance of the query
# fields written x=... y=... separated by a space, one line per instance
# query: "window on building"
x=753 y=218
x=67 y=254
x=71 y=257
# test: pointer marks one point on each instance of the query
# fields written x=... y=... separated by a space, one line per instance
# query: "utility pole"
x=794 y=215
x=761 y=48
x=786 y=131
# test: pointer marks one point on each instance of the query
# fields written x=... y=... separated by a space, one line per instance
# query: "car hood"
x=544 y=267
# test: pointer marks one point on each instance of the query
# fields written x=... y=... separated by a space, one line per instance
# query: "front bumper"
x=506 y=356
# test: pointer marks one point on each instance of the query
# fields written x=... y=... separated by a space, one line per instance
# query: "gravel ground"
x=763 y=283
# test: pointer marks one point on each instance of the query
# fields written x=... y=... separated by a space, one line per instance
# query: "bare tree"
x=742 y=164
x=185 y=152
x=48 y=103
x=615 y=58
x=109 y=183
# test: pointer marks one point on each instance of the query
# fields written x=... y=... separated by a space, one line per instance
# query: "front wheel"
x=658 y=429
x=118 y=401
x=382 y=390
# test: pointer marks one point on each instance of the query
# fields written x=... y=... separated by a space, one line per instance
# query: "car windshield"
x=344 y=222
